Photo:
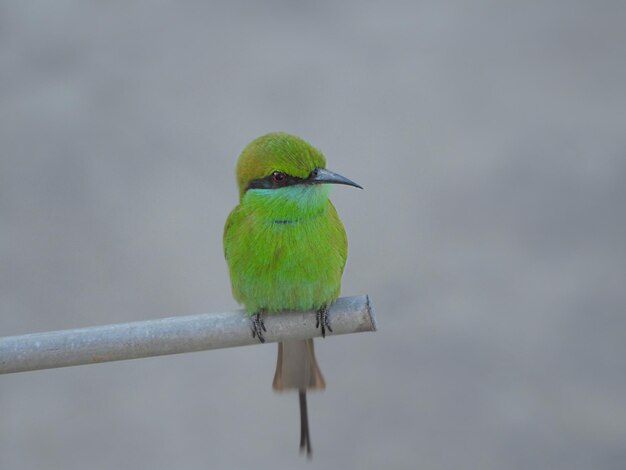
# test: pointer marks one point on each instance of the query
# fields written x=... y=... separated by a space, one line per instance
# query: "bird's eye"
x=278 y=176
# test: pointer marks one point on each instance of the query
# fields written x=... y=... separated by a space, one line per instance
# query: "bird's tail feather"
x=305 y=435
x=296 y=367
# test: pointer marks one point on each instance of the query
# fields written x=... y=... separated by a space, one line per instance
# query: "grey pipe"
x=171 y=335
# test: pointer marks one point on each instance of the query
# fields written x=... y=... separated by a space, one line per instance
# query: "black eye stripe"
x=270 y=182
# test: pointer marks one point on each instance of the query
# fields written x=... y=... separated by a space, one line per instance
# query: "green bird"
x=286 y=249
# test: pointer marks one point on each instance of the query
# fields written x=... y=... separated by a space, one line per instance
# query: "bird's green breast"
x=285 y=249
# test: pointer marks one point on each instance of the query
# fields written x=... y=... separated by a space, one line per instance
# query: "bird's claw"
x=258 y=327
x=323 y=320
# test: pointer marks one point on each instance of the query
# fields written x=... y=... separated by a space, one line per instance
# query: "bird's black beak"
x=324 y=176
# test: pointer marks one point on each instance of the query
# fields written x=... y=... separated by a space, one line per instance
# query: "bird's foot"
x=258 y=327
x=323 y=320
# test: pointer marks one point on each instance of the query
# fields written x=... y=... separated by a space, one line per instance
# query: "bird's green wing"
x=232 y=217
x=340 y=239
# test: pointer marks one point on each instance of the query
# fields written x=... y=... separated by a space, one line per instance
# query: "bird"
x=286 y=249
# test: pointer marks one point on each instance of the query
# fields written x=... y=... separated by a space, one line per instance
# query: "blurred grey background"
x=490 y=138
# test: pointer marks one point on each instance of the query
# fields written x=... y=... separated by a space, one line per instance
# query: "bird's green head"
x=279 y=160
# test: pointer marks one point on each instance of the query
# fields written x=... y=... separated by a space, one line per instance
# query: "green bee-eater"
x=286 y=248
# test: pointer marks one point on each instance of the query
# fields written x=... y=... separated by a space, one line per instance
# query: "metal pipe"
x=172 y=335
